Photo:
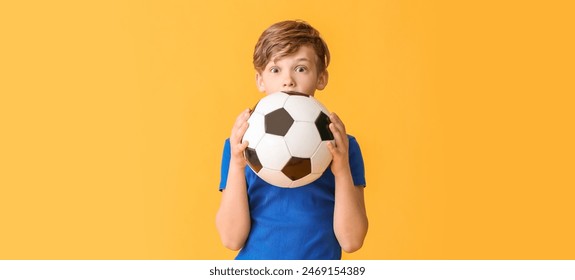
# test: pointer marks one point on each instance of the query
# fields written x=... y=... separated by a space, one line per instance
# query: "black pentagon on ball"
x=253 y=159
x=297 y=168
x=322 y=123
x=278 y=122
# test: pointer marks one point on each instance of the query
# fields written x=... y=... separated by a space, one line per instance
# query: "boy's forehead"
x=303 y=53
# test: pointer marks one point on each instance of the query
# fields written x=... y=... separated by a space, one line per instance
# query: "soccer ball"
x=288 y=134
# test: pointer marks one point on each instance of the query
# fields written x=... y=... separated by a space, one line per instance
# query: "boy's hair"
x=285 y=38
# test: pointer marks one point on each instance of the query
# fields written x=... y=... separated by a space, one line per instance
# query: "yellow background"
x=113 y=116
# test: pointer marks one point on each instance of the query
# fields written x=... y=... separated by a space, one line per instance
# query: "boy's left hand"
x=339 y=148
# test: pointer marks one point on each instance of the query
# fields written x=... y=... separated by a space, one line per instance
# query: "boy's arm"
x=350 y=218
x=233 y=217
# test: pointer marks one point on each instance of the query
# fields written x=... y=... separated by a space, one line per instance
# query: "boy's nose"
x=288 y=82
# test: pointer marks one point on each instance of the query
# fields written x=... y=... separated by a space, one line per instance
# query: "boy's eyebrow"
x=296 y=60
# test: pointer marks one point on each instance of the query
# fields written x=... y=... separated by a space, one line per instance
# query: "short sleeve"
x=225 y=164
x=356 y=163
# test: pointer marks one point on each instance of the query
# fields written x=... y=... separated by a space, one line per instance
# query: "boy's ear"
x=322 y=80
x=260 y=82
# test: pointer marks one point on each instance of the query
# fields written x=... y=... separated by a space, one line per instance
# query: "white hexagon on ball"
x=272 y=103
x=302 y=139
x=273 y=152
x=301 y=108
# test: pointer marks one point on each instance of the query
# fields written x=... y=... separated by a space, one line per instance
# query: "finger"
x=334 y=118
x=331 y=147
x=242 y=146
x=336 y=134
x=245 y=143
x=242 y=130
x=246 y=113
x=240 y=120
x=238 y=132
x=243 y=116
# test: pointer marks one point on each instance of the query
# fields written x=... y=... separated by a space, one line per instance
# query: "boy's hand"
x=339 y=148
x=236 y=144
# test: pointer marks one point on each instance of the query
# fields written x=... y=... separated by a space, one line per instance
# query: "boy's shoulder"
x=352 y=139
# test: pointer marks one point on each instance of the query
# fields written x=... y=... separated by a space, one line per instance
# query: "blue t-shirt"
x=293 y=223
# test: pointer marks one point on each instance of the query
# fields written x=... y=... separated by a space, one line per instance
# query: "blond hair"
x=285 y=38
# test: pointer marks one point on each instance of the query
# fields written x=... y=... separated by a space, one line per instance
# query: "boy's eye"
x=300 y=69
x=274 y=70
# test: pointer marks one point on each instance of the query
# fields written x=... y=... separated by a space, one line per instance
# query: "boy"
x=315 y=221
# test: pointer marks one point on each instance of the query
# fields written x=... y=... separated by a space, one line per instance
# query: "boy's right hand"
x=236 y=144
